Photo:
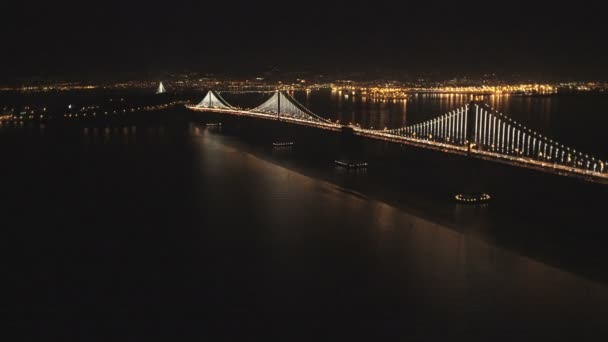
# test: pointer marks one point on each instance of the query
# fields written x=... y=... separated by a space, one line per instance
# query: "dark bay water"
x=163 y=228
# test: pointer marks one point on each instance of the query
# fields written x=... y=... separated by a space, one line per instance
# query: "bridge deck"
x=490 y=156
x=462 y=150
x=321 y=125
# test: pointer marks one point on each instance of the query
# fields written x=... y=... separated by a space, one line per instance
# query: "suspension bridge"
x=475 y=130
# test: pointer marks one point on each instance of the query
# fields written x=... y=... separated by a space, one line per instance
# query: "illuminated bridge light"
x=491 y=134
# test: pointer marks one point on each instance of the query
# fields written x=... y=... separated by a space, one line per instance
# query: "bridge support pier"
x=472 y=112
x=351 y=145
x=278 y=105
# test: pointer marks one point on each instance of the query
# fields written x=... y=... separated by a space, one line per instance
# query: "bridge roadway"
x=528 y=163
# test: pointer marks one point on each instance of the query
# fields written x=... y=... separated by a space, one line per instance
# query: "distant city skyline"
x=278 y=76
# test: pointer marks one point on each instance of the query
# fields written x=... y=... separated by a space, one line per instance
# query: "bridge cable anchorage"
x=284 y=105
x=487 y=132
x=213 y=100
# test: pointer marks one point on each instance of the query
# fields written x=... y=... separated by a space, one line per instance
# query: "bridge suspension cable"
x=161 y=89
x=484 y=130
x=495 y=132
x=213 y=100
x=475 y=128
x=284 y=105
x=449 y=128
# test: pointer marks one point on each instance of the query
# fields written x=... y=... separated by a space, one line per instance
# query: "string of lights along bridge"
x=475 y=130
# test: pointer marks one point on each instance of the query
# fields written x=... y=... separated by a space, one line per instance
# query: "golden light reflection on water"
x=393 y=113
x=126 y=134
x=449 y=265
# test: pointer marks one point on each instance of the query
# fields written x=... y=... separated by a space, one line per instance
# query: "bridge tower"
x=473 y=183
x=278 y=104
x=472 y=113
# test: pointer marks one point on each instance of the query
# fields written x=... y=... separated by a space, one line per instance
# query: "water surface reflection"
x=330 y=252
x=189 y=231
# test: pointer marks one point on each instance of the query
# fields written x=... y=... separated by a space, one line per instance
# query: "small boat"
x=350 y=164
x=282 y=144
x=472 y=198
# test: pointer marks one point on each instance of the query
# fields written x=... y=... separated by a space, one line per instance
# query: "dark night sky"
x=95 y=37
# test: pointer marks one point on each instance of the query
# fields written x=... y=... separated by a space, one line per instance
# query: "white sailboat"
x=161 y=89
